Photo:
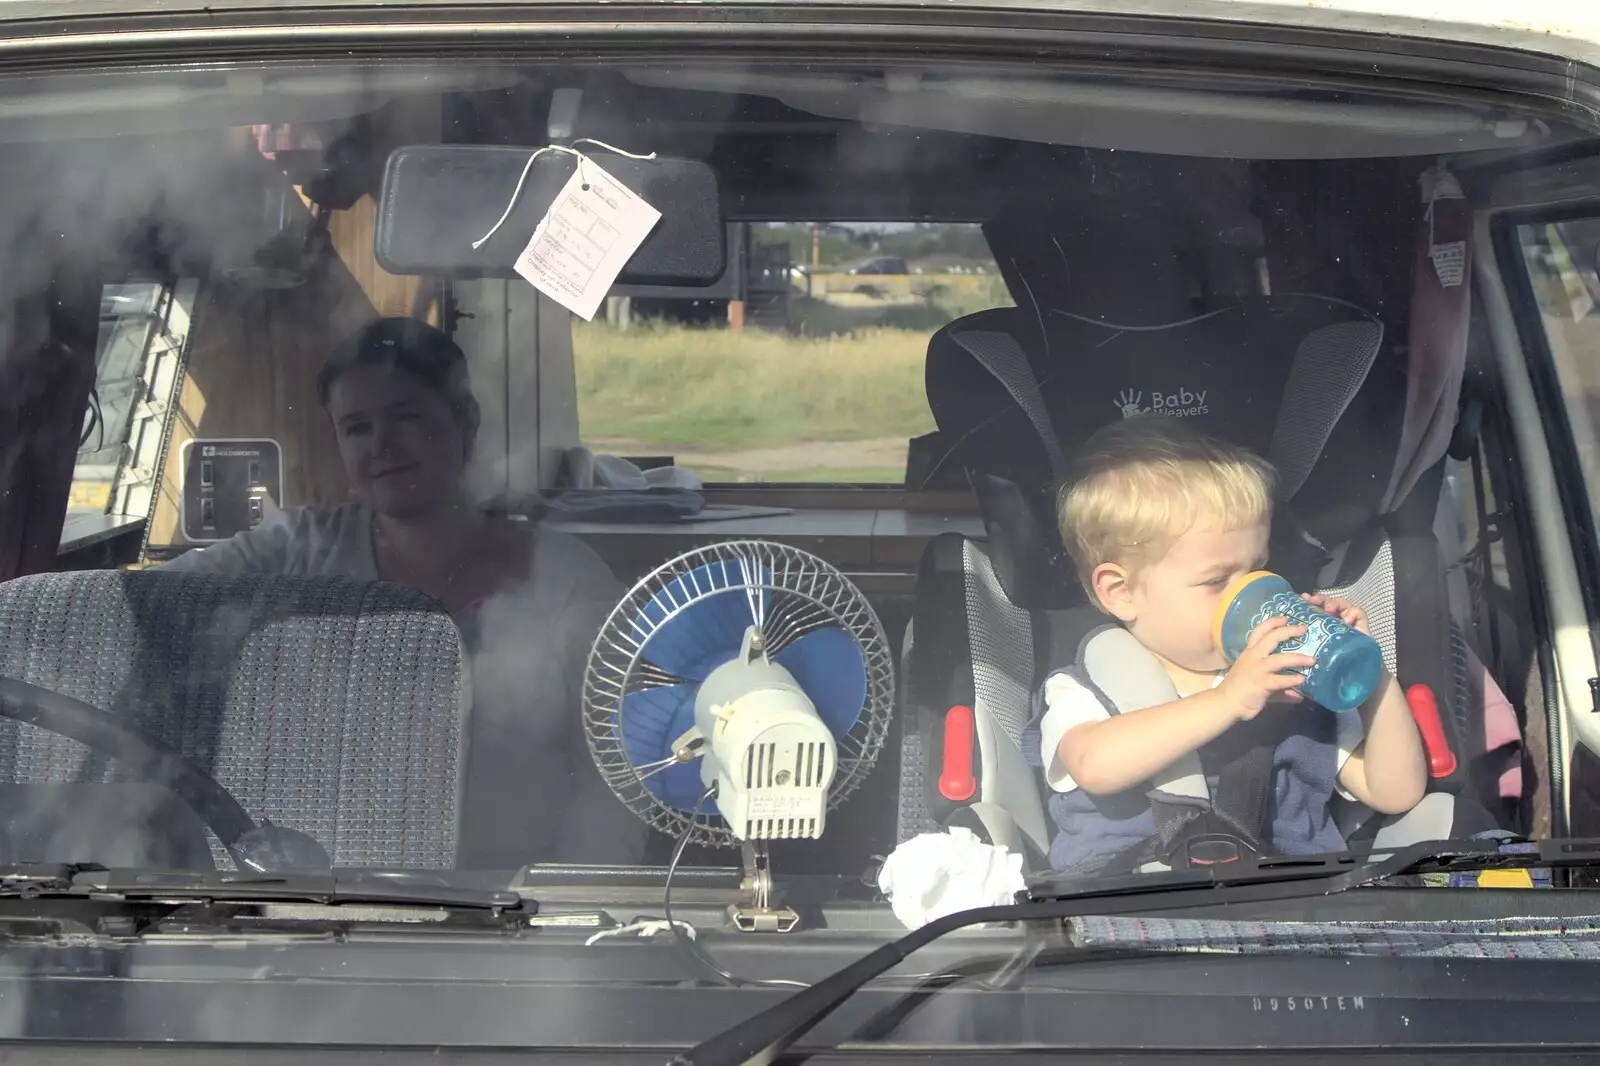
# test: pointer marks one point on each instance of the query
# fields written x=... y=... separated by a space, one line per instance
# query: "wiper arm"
x=760 y=1039
x=86 y=880
x=1331 y=873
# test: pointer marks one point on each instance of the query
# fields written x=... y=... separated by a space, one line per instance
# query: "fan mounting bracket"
x=759 y=915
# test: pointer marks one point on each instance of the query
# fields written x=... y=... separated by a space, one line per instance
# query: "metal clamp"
x=760 y=916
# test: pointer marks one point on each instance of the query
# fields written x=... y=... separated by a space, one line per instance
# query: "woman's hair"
x=418 y=349
x=1144 y=481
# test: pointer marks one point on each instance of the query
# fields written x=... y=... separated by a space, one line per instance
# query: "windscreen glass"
x=1060 y=463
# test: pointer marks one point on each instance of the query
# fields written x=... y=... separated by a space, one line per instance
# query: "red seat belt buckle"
x=1425 y=709
x=956 y=780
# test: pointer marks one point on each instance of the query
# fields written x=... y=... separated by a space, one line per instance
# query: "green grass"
x=851 y=371
x=670 y=388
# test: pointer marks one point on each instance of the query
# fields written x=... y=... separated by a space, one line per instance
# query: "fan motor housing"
x=778 y=789
x=771 y=758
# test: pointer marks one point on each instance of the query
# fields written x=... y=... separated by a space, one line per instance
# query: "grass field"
x=834 y=401
x=755 y=405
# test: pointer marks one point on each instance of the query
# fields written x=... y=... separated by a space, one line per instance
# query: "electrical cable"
x=97 y=420
x=691 y=945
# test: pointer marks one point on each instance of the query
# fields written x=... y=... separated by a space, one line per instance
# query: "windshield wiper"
x=1332 y=873
x=88 y=880
x=761 y=1038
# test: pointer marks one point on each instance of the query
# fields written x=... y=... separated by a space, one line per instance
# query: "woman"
x=528 y=600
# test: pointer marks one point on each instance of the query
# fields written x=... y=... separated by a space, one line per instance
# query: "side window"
x=144 y=332
x=804 y=367
x=1563 y=263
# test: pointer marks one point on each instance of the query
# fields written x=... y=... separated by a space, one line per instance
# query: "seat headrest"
x=1272 y=374
x=1016 y=394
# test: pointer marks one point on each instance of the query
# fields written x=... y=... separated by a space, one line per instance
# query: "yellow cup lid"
x=1230 y=594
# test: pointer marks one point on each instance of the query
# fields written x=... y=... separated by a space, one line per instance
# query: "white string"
x=644 y=927
x=648 y=927
x=613 y=150
x=516 y=194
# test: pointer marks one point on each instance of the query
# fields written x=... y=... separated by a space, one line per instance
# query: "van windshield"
x=768 y=484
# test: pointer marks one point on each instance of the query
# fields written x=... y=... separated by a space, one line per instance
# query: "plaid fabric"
x=328 y=705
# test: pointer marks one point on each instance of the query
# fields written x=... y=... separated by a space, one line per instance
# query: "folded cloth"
x=935 y=874
x=624 y=505
x=586 y=470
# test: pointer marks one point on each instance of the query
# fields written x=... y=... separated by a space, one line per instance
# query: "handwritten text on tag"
x=590 y=232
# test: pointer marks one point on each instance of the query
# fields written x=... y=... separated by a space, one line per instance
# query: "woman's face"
x=402 y=448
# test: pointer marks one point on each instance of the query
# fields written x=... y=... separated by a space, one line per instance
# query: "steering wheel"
x=263 y=848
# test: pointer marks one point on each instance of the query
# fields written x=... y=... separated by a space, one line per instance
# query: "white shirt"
x=1068 y=705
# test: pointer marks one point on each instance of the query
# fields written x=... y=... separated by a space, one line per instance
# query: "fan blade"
x=651 y=719
x=698 y=620
x=830 y=669
x=647 y=674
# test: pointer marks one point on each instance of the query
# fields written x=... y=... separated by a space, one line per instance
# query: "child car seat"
x=1298 y=378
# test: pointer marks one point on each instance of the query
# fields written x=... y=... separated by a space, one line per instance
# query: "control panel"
x=229 y=486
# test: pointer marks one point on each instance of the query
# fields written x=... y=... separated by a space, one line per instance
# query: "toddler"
x=1160 y=522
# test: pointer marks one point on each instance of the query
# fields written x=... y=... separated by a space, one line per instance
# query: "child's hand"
x=1258 y=674
x=1344 y=610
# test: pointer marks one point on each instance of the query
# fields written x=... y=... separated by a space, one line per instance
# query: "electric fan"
x=747 y=672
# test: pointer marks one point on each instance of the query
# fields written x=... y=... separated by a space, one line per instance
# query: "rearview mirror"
x=438 y=199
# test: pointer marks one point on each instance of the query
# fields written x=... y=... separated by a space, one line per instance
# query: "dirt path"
x=880 y=451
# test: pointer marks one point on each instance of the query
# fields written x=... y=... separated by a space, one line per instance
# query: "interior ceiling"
x=1163 y=114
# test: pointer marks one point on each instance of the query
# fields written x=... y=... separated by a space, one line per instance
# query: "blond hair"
x=1143 y=482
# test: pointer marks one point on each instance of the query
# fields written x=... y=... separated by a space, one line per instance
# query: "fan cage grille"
x=805 y=593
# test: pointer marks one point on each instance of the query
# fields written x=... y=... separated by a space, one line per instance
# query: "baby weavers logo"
x=1181 y=404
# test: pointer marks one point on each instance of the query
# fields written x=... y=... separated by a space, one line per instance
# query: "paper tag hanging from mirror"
x=590 y=232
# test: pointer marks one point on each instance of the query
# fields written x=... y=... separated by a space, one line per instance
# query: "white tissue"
x=936 y=874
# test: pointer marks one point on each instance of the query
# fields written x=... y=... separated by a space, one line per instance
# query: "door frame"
x=1560 y=510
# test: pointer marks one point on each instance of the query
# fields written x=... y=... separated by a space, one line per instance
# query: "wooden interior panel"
x=352 y=235
x=254 y=353
x=253 y=361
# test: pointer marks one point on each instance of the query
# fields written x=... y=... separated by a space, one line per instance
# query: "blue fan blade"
x=830 y=669
x=651 y=720
x=706 y=633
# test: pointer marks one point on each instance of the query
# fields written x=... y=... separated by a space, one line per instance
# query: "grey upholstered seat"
x=330 y=706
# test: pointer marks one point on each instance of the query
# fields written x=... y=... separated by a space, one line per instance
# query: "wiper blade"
x=29 y=879
x=87 y=880
x=1334 y=872
x=761 y=1038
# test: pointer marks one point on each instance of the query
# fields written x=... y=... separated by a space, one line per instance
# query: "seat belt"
x=1297 y=555
x=1422 y=632
x=1242 y=791
x=1230 y=828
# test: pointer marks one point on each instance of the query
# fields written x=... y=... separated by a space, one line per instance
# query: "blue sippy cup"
x=1349 y=663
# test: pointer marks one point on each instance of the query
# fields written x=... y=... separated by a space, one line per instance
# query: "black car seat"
x=329 y=706
x=1307 y=381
